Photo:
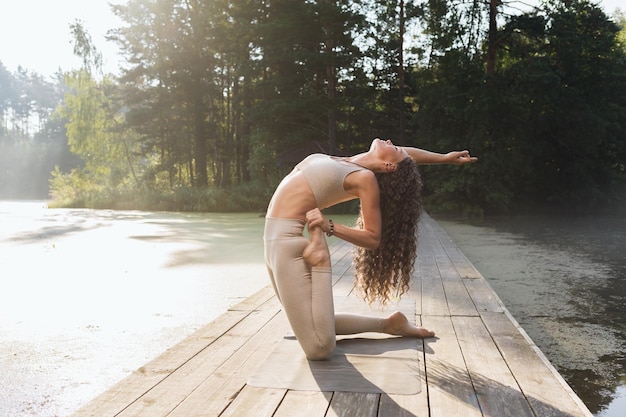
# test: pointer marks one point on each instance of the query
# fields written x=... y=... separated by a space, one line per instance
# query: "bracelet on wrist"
x=331 y=229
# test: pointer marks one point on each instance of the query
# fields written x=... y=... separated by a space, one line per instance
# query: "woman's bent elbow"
x=373 y=245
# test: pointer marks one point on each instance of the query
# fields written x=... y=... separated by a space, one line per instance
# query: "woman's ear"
x=391 y=167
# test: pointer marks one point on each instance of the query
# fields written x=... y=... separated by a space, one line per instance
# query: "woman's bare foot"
x=316 y=253
x=398 y=325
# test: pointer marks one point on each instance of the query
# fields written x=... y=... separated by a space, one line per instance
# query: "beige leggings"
x=306 y=292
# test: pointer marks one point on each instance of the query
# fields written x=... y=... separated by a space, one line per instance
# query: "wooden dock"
x=481 y=363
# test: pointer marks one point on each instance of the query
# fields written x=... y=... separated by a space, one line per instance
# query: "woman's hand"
x=460 y=157
x=315 y=218
x=367 y=237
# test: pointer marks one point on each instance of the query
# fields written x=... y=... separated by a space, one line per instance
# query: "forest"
x=216 y=100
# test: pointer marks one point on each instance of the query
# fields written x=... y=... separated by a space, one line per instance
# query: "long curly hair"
x=385 y=272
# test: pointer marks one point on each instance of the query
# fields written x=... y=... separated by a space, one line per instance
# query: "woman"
x=386 y=181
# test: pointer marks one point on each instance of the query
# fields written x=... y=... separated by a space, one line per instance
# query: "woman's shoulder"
x=363 y=179
x=312 y=158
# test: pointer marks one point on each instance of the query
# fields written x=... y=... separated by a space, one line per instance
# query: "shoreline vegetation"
x=252 y=198
x=236 y=199
x=245 y=198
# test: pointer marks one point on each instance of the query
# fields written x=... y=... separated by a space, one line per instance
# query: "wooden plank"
x=342 y=268
x=217 y=391
x=483 y=296
x=403 y=405
x=304 y=403
x=463 y=266
x=459 y=301
x=343 y=278
x=341 y=252
x=496 y=388
x=171 y=391
x=433 y=293
x=415 y=292
x=339 y=248
x=256 y=300
x=450 y=389
x=350 y=404
x=253 y=402
x=434 y=301
x=446 y=268
x=466 y=269
x=344 y=286
x=451 y=249
x=546 y=391
x=443 y=292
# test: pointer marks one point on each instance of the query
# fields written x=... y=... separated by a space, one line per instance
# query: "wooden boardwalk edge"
x=453 y=250
x=481 y=364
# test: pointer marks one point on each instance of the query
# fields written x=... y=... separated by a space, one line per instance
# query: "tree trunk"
x=200 y=142
x=331 y=78
x=332 y=115
x=492 y=41
x=401 y=112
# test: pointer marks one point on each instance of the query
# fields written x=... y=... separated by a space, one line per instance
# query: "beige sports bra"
x=326 y=174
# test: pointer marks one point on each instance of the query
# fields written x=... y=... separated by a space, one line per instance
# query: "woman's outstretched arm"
x=424 y=157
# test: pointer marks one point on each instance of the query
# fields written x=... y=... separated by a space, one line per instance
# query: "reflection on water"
x=90 y=295
x=564 y=280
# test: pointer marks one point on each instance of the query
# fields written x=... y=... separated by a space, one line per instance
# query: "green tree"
x=582 y=149
x=307 y=57
x=385 y=57
x=223 y=93
x=91 y=129
x=177 y=86
x=547 y=125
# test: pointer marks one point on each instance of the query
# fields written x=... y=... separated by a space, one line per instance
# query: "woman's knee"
x=320 y=350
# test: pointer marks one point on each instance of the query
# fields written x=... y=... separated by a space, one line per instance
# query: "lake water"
x=564 y=280
x=88 y=296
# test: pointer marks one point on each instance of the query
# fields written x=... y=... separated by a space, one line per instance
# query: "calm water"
x=564 y=280
x=88 y=296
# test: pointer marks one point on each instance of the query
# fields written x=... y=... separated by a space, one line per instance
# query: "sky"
x=36 y=35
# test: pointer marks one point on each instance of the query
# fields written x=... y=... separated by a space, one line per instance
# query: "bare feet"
x=316 y=253
x=398 y=325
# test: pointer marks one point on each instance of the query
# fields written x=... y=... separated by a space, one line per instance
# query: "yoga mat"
x=367 y=362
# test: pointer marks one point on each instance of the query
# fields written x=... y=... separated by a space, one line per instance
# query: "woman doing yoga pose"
x=387 y=182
